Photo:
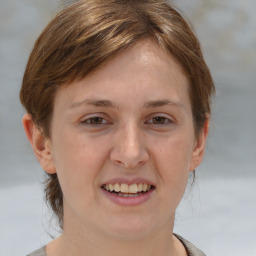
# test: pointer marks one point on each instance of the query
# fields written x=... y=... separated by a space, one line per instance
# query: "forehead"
x=148 y=55
x=143 y=68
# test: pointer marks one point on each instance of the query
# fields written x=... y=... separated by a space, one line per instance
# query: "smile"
x=125 y=190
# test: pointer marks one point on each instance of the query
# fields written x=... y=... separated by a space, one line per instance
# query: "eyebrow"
x=96 y=103
x=160 y=103
x=110 y=104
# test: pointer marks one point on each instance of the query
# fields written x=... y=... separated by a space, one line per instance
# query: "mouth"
x=126 y=190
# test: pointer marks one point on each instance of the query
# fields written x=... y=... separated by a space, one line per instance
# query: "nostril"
x=127 y=156
x=129 y=165
x=119 y=162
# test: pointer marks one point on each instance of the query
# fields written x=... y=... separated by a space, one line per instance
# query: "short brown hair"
x=87 y=34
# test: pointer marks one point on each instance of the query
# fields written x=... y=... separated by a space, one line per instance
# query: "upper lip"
x=137 y=180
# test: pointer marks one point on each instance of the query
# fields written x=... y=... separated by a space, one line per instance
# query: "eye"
x=95 y=120
x=160 y=120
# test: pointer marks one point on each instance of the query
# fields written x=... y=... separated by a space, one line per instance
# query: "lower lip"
x=128 y=201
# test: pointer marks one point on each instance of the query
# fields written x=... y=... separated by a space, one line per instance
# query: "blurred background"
x=219 y=213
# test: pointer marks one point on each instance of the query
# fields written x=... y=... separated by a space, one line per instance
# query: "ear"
x=198 y=151
x=40 y=144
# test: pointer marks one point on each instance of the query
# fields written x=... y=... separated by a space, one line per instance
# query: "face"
x=123 y=144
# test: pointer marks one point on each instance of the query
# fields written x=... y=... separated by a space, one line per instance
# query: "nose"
x=129 y=148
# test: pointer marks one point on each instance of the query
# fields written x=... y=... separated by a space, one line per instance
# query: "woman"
x=117 y=95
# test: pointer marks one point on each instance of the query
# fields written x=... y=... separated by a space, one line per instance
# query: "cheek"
x=78 y=160
x=175 y=151
x=173 y=162
x=77 y=150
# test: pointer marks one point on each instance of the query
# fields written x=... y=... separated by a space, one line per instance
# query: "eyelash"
x=89 y=120
x=102 y=121
x=165 y=120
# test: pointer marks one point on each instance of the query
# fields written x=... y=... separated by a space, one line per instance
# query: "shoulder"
x=190 y=248
x=40 y=252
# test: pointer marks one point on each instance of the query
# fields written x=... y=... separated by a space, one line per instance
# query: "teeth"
x=124 y=188
x=111 y=187
x=133 y=189
x=128 y=189
x=117 y=187
x=128 y=195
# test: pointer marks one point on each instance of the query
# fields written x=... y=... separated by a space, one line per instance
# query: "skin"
x=144 y=130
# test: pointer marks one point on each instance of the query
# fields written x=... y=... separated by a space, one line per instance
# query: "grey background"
x=219 y=213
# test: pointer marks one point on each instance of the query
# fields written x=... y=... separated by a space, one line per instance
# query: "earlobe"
x=198 y=151
x=40 y=144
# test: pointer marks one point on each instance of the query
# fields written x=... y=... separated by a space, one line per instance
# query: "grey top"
x=190 y=248
x=40 y=252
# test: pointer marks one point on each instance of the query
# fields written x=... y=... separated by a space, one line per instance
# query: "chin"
x=131 y=229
